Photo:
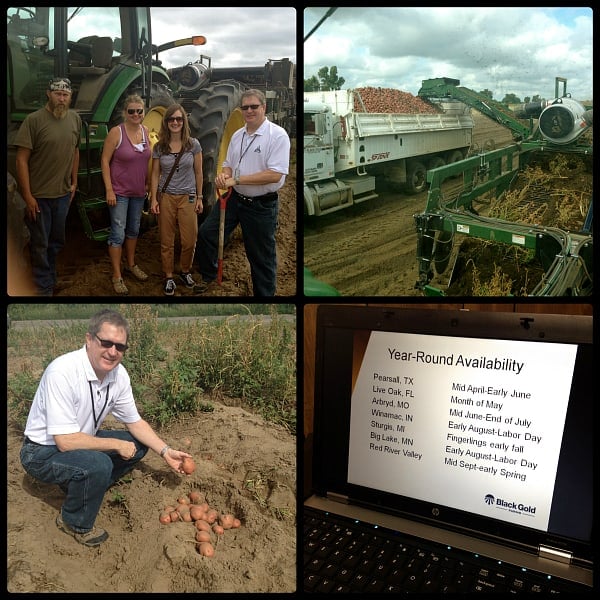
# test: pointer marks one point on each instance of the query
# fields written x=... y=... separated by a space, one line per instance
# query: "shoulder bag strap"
x=164 y=187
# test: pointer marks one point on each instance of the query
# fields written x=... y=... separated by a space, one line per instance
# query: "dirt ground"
x=370 y=248
x=244 y=466
x=84 y=269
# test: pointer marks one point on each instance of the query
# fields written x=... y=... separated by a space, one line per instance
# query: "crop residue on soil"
x=370 y=249
x=244 y=466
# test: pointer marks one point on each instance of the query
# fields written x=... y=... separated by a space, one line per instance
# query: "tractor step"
x=85 y=207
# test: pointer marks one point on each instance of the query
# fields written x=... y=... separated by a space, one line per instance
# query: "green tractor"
x=107 y=53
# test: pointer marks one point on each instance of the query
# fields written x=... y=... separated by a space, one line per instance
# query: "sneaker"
x=200 y=287
x=136 y=272
x=94 y=537
x=169 y=288
x=120 y=286
x=187 y=279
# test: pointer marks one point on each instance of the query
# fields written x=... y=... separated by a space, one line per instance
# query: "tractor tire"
x=416 y=177
x=161 y=96
x=215 y=116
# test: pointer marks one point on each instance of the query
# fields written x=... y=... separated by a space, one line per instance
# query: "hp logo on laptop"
x=489 y=499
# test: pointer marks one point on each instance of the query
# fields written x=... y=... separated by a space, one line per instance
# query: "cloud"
x=505 y=50
x=236 y=37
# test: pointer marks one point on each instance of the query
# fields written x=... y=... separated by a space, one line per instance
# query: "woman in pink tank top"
x=125 y=160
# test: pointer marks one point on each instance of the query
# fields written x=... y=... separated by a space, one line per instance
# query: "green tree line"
x=328 y=79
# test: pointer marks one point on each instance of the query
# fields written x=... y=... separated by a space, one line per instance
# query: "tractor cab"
x=88 y=45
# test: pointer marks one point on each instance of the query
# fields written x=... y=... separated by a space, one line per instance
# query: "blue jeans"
x=47 y=239
x=125 y=219
x=84 y=474
x=259 y=224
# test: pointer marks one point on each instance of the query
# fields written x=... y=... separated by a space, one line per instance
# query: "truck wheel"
x=214 y=118
x=416 y=177
x=454 y=156
x=435 y=163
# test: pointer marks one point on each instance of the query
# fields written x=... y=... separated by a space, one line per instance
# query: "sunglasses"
x=250 y=106
x=109 y=344
x=173 y=119
x=132 y=111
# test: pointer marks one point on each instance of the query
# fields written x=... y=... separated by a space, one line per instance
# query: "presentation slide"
x=473 y=424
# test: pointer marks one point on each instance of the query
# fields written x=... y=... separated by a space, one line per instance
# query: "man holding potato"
x=63 y=442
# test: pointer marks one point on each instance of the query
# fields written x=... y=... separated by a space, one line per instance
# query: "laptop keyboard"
x=343 y=555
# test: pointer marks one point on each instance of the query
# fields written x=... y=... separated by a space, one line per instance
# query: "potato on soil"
x=236 y=523
x=203 y=536
x=218 y=529
x=164 y=517
x=197 y=512
x=183 y=500
x=202 y=525
x=205 y=548
x=211 y=516
x=226 y=521
x=174 y=516
x=196 y=497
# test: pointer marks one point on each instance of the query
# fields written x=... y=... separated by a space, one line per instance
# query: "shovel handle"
x=222 y=207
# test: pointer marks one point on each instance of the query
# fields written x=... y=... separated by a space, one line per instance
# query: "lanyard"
x=96 y=420
x=242 y=154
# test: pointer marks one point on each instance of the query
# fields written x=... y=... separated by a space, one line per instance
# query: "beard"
x=60 y=111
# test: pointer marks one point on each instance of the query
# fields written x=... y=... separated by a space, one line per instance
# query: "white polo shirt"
x=268 y=148
x=63 y=401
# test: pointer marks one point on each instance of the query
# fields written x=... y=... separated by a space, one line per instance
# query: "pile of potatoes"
x=389 y=100
x=209 y=523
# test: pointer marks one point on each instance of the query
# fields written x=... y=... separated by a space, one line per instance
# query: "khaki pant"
x=174 y=210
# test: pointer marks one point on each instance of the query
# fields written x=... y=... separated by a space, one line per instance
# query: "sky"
x=504 y=50
x=247 y=36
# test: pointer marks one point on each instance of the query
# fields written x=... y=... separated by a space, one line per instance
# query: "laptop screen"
x=470 y=419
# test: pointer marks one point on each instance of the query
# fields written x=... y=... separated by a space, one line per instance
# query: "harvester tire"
x=214 y=118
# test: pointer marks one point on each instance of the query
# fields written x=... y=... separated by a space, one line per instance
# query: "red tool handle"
x=222 y=207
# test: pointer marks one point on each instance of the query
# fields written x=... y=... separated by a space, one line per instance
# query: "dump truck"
x=350 y=152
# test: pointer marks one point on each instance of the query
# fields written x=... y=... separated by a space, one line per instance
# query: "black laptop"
x=452 y=452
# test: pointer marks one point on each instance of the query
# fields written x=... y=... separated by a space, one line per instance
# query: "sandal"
x=120 y=287
x=136 y=272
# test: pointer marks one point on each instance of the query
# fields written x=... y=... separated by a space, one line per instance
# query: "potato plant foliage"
x=176 y=366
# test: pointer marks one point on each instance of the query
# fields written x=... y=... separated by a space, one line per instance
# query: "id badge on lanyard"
x=97 y=419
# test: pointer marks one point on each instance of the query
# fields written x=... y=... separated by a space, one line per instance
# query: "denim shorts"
x=125 y=219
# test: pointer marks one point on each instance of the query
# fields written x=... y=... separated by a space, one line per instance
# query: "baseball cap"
x=59 y=84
